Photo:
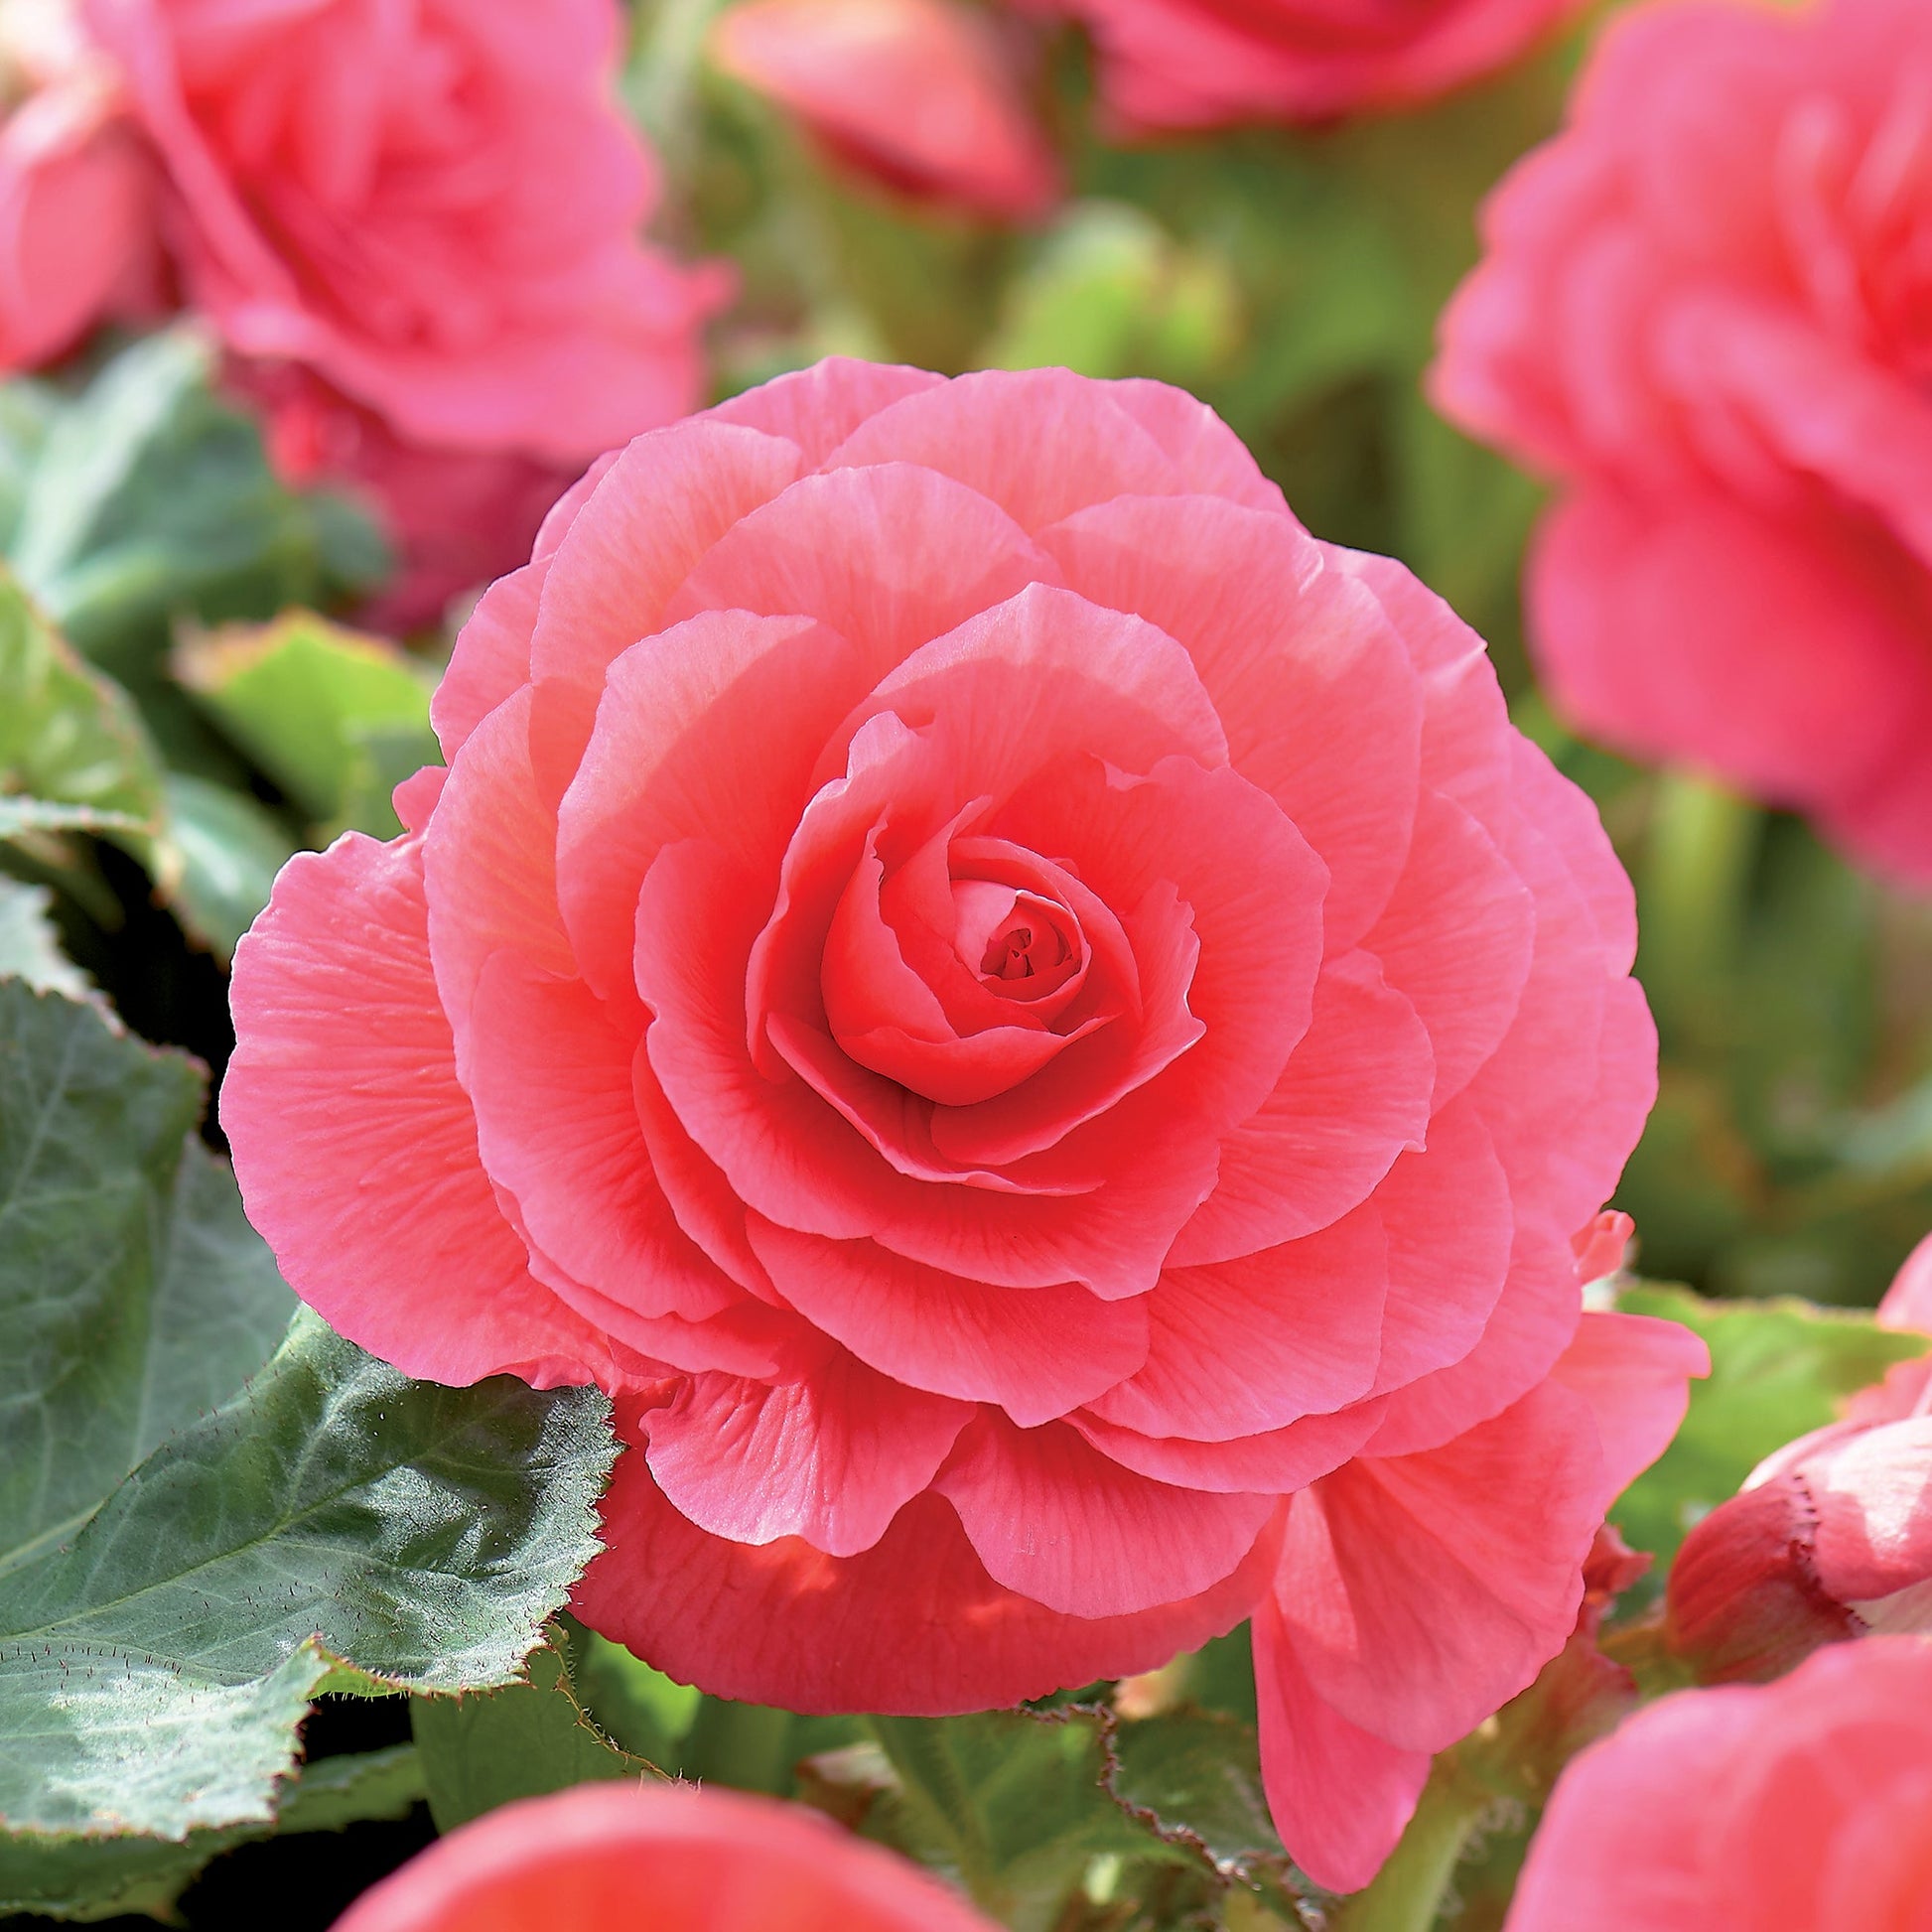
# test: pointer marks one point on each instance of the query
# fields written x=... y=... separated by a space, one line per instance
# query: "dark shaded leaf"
x=491 y=1748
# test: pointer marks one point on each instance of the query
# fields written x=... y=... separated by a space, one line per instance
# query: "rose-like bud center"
x=1020 y=943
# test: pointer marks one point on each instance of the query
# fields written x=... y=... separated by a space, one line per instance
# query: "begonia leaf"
x=329 y=714
x=488 y=1748
x=230 y=849
x=88 y=1878
x=146 y=496
x=30 y=947
x=1012 y=1806
x=163 y=1632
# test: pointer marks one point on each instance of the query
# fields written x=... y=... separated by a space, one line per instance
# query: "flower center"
x=1022 y=944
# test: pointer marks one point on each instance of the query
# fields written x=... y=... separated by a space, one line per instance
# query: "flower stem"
x=1692 y=891
x=1407 y=1893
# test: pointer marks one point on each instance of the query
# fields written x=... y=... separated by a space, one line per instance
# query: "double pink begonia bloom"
x=1706 y=310
x=611 y=1858
x=416 y=230
x=920 y=95
x=78 y=194
x=1042 y=1032
x=1829 y=1538
x=1800 y=1805
x=1185 y=64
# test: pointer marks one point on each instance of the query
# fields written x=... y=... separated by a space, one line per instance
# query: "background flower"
x=77 y=191
x=682 y=1860
x=920 y=95
x=1719 y=348
x=435 y=209
x=1801 y=1804
x=1171 y=64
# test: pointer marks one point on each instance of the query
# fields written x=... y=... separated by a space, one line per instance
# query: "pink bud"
x=1830 y=1538
x=918 y=93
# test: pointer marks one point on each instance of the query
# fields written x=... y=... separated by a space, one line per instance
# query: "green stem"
x=1407 y=1893
x=1692 y=887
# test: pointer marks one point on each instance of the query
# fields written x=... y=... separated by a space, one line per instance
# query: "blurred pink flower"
x=1713 y=327
x=78 y=197
x=1830 y=1538
x=433 y=207
x=610 y=1858
x=1017 y=1010
x=456 y=518
x=920 y=95
x=1179 y=63
x=1800 y=1805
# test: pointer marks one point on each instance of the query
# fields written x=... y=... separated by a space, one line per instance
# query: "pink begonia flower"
x=1830 y=1538
x=76 y=189
x=1187 y=63
x=1800 y=1805
x=1015 y=1010
x=604 y=1857
x=1714 y=332
x=456 y=518
x=434 y=206
x=920 y=95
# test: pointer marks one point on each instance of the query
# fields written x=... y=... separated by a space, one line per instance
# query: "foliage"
x=199 y=1528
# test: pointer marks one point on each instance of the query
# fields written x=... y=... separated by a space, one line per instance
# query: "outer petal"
x=819 y=407
x=830 y=1458
x=1422 y=1592
x=1692 y=632
x=889 y=556
x=1035 y=1351
x=1052 y=1518
x=1042 y=442
x=1340 y=1795
x=492 y=658
x=707 y=729
x=1250 y=1345
x=669 y=496
x=1625 y=1839
x=914 y=1626
x=356 y=1147
x=1212 y=459
x=1354 y=1096
x=1457 y=939
x=1635 y=1373
x=556 y=1118
x=489 y=862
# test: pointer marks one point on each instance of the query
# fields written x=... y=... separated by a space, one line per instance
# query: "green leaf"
x=30 y=947
x=230 y=849
x=645 y=1712
x=326 y=713
x=491 y=1748
x=133 y=1294
x=1195 y=1778
x=73 y=756
x=148 y=497
x=153 y=1671
x=1778 y=1369
x=88 y=1878
x=1012 y=1806
x=158 y=1648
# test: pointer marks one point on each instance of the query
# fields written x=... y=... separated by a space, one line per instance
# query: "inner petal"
x=1021 y=946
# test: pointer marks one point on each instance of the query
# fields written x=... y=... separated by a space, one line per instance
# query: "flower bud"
x=1830 y=1539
